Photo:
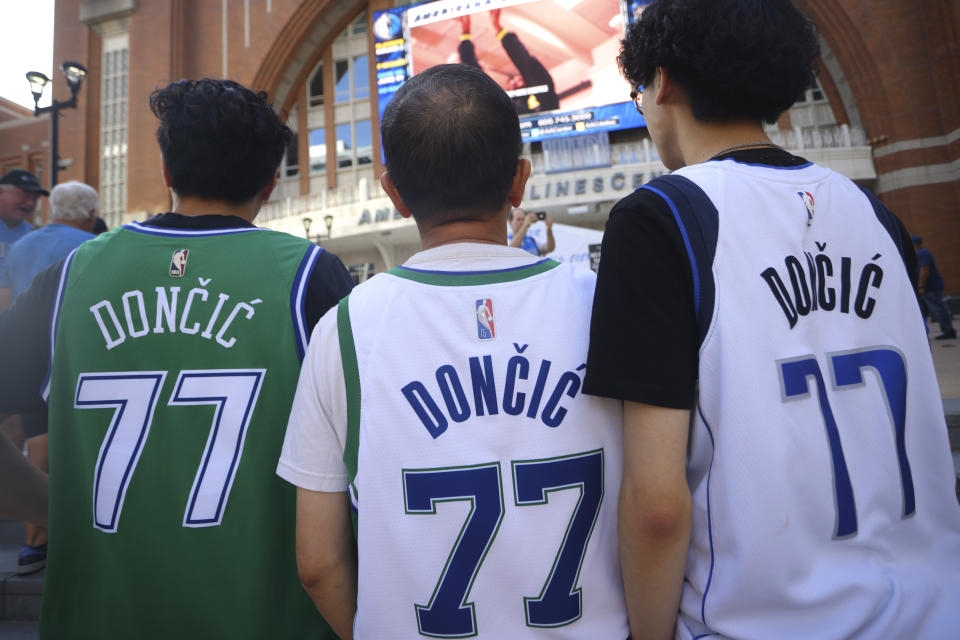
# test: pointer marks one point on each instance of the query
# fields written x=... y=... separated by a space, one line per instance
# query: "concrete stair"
x=19 y=595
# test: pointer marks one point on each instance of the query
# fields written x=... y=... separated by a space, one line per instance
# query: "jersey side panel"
x=475 y=451
x=168 y=400
x=807 y=511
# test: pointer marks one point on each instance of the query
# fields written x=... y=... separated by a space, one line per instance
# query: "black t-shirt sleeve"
x=641 y=350
x=909 y=252
x=329 y=282
x=25 y=344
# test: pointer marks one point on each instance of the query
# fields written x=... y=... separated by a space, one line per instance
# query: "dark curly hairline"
x=714 y=61
x=165 y=101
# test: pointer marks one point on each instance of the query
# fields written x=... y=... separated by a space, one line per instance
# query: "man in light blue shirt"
x=19 y=191
x=73 y=211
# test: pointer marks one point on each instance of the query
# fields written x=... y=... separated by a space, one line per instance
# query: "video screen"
x=556 y=59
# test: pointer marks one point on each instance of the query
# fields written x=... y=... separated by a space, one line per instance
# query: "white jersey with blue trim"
x=485 y=484
x=823 y=489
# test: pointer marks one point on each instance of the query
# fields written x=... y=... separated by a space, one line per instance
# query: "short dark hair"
x=735 y=59
x=451 y=140
x=219 y=139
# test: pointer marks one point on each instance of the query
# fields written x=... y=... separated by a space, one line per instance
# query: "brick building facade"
x=890 y=73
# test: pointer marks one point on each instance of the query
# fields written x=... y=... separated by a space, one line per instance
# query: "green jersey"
x=175 y=361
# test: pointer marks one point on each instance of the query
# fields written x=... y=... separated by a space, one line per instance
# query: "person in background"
x=19 y=191
x=73 y=212
x=23 y=487
x=783 y=478
x=930 y=288
x=73 y=209
x=520 y=223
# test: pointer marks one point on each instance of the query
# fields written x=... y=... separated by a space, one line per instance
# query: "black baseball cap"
x=23 y=180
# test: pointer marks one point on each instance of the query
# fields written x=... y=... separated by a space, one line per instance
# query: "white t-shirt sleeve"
x=312 y=454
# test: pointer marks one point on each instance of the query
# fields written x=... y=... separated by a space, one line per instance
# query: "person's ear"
x=519 y=184
x=167 y=180
x=268 y=188
x=664 y=85
x=394 y=195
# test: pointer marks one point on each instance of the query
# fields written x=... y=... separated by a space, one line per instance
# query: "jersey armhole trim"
x=351 y=379
x=298 y=297
x=686 y=243
x=55 y=319
x=713 y=448
x=886 y=218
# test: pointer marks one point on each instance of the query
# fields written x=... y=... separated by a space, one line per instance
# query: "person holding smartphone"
x=520 y=222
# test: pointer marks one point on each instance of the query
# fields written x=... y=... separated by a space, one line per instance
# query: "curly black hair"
x=735 y=59
x=451 y=140
x=219 y=139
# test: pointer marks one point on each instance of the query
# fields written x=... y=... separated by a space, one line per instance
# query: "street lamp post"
x=74 y=73
x=308 y=221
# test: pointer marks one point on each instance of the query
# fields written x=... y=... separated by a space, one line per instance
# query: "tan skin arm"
x=922 y=274
x=326 y=560
x=655 y=513
x=551 y=242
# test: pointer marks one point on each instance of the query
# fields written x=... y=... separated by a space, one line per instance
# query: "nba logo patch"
x=807 y=198
x=485 y=328
x=178 y=263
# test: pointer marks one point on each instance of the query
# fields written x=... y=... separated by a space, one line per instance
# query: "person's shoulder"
x=643 y=202
x=578 y=276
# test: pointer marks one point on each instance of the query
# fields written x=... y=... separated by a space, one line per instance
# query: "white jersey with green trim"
x=485 y=483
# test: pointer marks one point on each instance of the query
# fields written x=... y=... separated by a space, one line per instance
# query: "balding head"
x=451 y=139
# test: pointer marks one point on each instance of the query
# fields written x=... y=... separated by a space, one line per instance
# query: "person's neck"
x=69 y=223
x=489 y=231
x=701 y=141
x=12 y=223
x=193 y=206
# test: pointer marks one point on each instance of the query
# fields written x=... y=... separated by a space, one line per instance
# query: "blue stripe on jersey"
x=765 y=166
x=713 y=447
x=55 y=319
x=176 y=233
x=886 y=218
x=698 y=221
x=298 y=298
x=464 y=273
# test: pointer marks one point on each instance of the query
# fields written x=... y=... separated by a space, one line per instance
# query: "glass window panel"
x=316 y=86
x=318 y=150
x=361 y=84
x=364 y=142
x=124 y=65
x=344 y=145
x=359 y=26
x=341 y=79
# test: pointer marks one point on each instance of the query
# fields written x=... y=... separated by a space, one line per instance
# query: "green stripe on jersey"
x=461 y=279
x=351 y=377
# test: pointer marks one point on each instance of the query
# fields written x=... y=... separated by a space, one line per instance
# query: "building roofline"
x=14 y=109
